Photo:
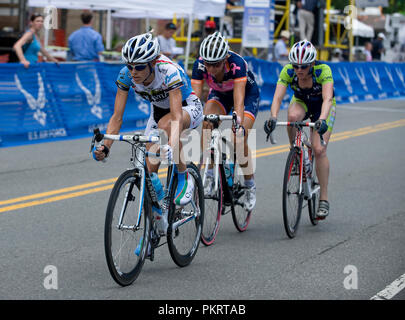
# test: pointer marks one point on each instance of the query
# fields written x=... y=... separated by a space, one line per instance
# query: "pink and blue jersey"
x=236 y=70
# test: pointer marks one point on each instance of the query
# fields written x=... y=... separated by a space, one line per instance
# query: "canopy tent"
x=361 y=29
x=144 y=9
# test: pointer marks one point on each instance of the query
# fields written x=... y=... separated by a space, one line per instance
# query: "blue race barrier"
x=48 y=102
x=353 y=82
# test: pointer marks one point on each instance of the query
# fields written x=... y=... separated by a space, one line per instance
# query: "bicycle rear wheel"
x=240 y=215
x=213 y=208
x=186 y=223
x=313 y=203
x=292 y=198
x=121 y=242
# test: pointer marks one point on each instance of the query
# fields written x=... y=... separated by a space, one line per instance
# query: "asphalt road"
x=363 y=236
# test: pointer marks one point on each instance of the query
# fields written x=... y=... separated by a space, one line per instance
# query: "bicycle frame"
x=214 y=148
x=300 y=142
x=139 y=162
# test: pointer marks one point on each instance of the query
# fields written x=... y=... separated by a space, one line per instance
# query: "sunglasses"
x=138 y=67
x=213 y=64
x=303 y=66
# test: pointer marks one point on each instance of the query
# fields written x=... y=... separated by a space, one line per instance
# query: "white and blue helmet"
x=140 y=49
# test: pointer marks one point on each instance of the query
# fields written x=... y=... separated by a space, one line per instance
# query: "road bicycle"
x=131 y=231
x=300 y=179
x=228 y=190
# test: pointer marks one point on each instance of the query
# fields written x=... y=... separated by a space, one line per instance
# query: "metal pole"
x=190 y=23
x=352 y=2
x=108 y=33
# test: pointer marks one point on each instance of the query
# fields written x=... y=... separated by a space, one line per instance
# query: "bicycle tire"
x=291 y=195
x=122 y=274
x=212 y=210
x=313 y=203
x=183 y=256
x=240 y=216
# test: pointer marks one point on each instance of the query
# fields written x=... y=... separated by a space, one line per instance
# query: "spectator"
x=209 y=28
x=166 y=41
x=86 y=44
x=336 y=55
x=280 y=49
x=378 y=47
x=306 y=18
x=368 y=47
x=28 y=45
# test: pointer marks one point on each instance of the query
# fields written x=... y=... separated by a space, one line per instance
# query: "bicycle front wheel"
x=292 y=197
x=186 y=223
x=313 y=203
x=213 y=207
x=126 y=242
x=240 y=215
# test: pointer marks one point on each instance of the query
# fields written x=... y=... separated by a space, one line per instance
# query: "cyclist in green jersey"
x=313 y=98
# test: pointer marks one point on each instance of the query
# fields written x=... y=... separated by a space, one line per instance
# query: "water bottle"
x=307 y=163
x=160 y=193
x=229 y=167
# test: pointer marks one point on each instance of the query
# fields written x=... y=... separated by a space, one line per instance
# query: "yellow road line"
x=106 y=184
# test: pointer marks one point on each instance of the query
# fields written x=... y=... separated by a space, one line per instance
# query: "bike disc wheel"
x=292 y=198
x=240 y=215
x=213 y=209
x=120 y=243
x=183 y=240
x=313 y=203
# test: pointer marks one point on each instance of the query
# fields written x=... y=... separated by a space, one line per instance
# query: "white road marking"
x=391 y=290
x=371 y=109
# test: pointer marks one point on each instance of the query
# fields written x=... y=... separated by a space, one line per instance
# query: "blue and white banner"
x=353 y=82
x=48 y=102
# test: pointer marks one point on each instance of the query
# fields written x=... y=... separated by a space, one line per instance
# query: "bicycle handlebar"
x=137 y=137
x=296 y=124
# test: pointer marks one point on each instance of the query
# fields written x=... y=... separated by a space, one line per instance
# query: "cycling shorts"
x=192 y=105
x=314 y=112
x=225 y=101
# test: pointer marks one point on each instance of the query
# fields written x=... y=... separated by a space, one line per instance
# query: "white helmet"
x=214 y=48
x=302 y=52
x=140 y=49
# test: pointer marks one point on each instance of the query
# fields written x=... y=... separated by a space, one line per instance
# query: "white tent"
x=361 y=29
x=144 y=9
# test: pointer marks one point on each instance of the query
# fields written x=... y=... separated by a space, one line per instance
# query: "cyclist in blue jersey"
x=313 y=98
x=232 y=87
x=175 y=107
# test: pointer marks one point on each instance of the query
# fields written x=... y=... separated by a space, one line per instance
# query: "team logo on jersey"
x=35 y=104
x=170 y=77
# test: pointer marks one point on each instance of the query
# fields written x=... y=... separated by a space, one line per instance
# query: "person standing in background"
x=368 y=47
x=28 y=45
x=281 y=48
x=166 y=41
x=306 y=18
x=86 y=44
x=378 y=47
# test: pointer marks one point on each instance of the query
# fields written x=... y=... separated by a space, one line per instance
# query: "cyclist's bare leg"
x=296 y=112
x=245 y=159
x=322 y=162
x=211 y=107
x=166 y=124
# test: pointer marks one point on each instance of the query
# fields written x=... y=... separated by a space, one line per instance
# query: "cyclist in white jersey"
x=175 y=107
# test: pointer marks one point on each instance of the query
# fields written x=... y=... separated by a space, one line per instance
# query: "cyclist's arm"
x=197 y=86
x=327 y=96
x=278 y=99
x=115 y=123
x=239 y=98
x=176 y=112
